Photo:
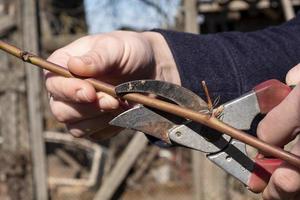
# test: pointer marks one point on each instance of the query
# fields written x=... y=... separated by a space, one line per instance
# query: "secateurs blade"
x=226 y=152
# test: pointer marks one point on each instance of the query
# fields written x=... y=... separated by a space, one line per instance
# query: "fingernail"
x=106 y=103
x=81 y=94
x=76 y=133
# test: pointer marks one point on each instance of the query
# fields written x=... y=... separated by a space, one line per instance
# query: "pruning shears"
x=226 y=152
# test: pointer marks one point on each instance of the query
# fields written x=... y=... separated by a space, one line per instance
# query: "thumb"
x=282 y=123
x=293 y=76
x=103 y=57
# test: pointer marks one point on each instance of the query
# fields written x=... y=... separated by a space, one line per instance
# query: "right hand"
x=280 y=126
x=113 y=58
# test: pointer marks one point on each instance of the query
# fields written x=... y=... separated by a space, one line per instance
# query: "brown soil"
x=14 y=176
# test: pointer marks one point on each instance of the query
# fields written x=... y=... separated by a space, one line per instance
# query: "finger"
x=78 y=47
x=107 y=102
x=90 y=126
x=71 y=89
x=106 y=54
x=281 y=124
x=68 y=112
x=67 y=89
x=59 y=57
x=285 y=181
x=292 y=77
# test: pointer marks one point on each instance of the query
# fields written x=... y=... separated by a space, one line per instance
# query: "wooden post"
x=209 y=181
x=198 y=186
x=190 y=16
x=191 y=25
x=214 y=181
x=122 y=167
x=30 y=42
x=288 y=9
x=7 y=22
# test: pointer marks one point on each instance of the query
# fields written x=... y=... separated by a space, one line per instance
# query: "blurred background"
x=39 y=160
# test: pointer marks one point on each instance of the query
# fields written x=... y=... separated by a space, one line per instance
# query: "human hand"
x=113 y=58
x=280 y=126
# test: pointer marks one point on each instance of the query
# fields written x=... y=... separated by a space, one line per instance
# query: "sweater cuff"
x=204 y=57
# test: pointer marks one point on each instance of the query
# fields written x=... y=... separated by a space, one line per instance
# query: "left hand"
x=280 y=126
x=113 y=58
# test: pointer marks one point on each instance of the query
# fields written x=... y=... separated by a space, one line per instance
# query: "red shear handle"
x=270 y=93
x=263 y=169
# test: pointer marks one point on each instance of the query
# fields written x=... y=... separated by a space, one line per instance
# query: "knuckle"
x=285 y=183
x=84 y=39
x=92 y=57
x=112 y=39
x=57 y=53
x=59 y=113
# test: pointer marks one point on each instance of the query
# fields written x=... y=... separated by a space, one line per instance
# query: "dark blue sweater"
x=232 y=63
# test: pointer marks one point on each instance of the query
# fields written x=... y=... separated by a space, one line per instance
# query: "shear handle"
x=263 y=169
x=270 y=93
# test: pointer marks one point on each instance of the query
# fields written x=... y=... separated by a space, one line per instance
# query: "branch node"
x=25 y=56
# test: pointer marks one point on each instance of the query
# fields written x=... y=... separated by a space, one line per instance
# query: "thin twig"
x=211 y=122
x=209 y=102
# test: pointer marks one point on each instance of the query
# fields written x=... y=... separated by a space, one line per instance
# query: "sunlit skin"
x=121 y=56
x=279 y=127
x=112 y=58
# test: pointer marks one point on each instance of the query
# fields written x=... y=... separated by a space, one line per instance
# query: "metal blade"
x=160 y=124
x=170 y=91
x=145 y=120
x=239 y=113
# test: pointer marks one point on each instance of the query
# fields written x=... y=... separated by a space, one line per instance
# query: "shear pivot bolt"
x=178 y=134
x=228 y=158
